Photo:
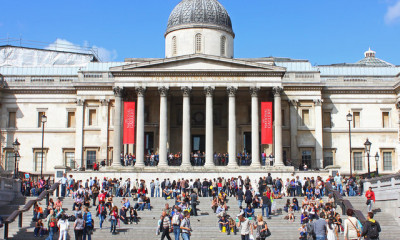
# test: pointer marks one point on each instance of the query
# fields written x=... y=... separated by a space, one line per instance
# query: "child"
x=38 y=228
x=291 y=214
x=303 y=232
x=159 y=226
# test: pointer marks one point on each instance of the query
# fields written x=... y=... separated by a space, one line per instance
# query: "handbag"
x=358 y=232
x=368 y=202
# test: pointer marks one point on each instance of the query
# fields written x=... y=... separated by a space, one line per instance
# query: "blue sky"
x=323 y=31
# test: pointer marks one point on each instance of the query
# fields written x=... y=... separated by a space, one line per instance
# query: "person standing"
x=79 y=225
x=95 y=193
x=239 y=196
x=87 y=217
x=370 y=195
x=114 y=219
x=102 y=213
x=261 y=228
x=371 y=228
x=266 y=205
x=152 y=187
x=64 y=182
x=320 y=227
x=157 y=188
x=245 y=227
x=176 y=222
x=193 y=202
x=51 y=224
x=351 y=226
x=186 y=228
x=63 y=225
x=338 y=182
x=165 y=226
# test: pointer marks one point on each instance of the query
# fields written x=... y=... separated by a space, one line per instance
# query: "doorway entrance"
x=148 y=142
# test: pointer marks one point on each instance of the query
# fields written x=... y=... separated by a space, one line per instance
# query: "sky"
x=322 y=31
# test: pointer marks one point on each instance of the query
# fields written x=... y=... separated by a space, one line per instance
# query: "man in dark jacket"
x=371 y=228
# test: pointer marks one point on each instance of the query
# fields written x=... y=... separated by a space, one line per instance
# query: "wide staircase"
x=389 y=225
x=205 y=226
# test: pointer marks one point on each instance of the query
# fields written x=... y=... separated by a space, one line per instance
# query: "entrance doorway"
x=148 y=142
x=198 y=143
x=247 y=142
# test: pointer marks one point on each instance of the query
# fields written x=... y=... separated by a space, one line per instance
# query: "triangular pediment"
x=198 y=62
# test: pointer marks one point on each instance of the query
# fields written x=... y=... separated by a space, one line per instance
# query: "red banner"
x=266 y=123
x=129 y=122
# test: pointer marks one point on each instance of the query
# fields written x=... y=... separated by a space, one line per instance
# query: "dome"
x=199 y=14
x=371 y=61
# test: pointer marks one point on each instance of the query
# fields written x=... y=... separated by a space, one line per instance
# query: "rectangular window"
x=306 y=158
x=387 y=161
x=92 y=117
x=358 y=161
x=327 y=120
x=328 y=158
x=70 y=160
x=90 y=159
x=305 y=117
x=10 y=161
x=385 y=119
x=38 y=161
x=71 y=120
x=356 y=119
x=40 y=114
x=12 y=118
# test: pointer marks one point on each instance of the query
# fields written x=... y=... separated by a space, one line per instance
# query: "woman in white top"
x=63 y=225
x=351 y=226
x=332 y=230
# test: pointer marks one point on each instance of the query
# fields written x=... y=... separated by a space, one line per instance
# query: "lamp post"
x=377 y=160
x=349 y=118
x=16 y=145
x=367 y=145
x=44 y=120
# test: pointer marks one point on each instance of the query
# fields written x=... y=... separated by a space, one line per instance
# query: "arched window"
x=198 y=43
x=223 y=46
x=174 y=47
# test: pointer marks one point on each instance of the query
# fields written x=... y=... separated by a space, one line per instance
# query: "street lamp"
x=16 y=145
x=367 y=145
x=377 y=160
x=44 y=120
x=349 y=118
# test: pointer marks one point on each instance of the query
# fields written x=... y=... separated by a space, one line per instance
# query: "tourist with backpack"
x=165 y=226
x=79 y=225
x=186 y=228
x=51 y=224
x=176 y=222
x=371 y=228
x=88 y=230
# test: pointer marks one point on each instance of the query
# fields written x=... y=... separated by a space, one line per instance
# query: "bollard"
x=6 y=231
x=20 y=220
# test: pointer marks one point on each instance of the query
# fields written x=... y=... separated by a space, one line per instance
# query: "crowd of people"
x=318 y=218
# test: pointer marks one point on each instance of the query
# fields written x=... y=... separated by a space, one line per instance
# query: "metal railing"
x=28 y=205
x=344 y=203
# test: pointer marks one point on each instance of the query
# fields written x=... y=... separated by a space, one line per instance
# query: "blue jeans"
x=265 y=206
x=85 y=233
x=185 y=236
x=152 y=192
x=52 y=230
x=101 y=220
x=177 y=231
x=205 y=192
x=113 y=225
x=63 y=187
x=240 y=202
x=321 y=238
x=158 y=192
x=340 y=188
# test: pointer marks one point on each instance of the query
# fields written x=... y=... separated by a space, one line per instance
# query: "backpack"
x=101 y=197
x=53 y=221
x=162 y=224
x=176 y=220
x=373 y=231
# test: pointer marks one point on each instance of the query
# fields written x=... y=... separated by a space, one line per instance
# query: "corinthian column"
x=209 y=91
x=255 y=142
x=278 y=125
x=232 y=127
x=318 y=134
x=140 y=92
x=186 y=127
x=117 y=148
x=293 y=130
x=163 y=126
x=80 y=109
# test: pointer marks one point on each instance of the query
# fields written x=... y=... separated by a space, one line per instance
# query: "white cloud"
x=64 y=45
x=393 y=13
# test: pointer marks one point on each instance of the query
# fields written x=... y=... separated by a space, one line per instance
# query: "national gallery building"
x=199 y=102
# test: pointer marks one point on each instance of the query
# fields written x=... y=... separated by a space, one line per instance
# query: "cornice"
x=206 y=74
x=38 y=91
x=94 y=88
x=358 y=91
x=303 y=88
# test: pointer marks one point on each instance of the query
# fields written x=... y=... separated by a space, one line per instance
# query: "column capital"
x=277 y=91
x=209 y=91
x=294 y=102
x=186 y=91
x=398 y=104
x=254 y=91
x=140 y=91
x=118 y=91
x=163 y=91
x=104 y=102
x=231 y=91
x=318 y=102
x=80 y=102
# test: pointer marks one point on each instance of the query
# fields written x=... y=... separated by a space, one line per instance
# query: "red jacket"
x=370 y=195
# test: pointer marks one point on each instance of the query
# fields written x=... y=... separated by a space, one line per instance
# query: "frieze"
x=168 y=75
x=42 y=91
x=358 y=92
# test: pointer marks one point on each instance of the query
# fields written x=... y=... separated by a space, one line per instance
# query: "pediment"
x=198 y=63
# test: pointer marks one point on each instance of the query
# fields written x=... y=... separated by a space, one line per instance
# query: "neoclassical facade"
x=198 y=98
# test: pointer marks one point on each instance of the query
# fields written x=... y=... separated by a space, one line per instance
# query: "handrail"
x=344 y=203
x=26 y=207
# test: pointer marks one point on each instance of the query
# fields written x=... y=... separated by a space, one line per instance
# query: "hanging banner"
x=266 y=123
x=129 y=122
